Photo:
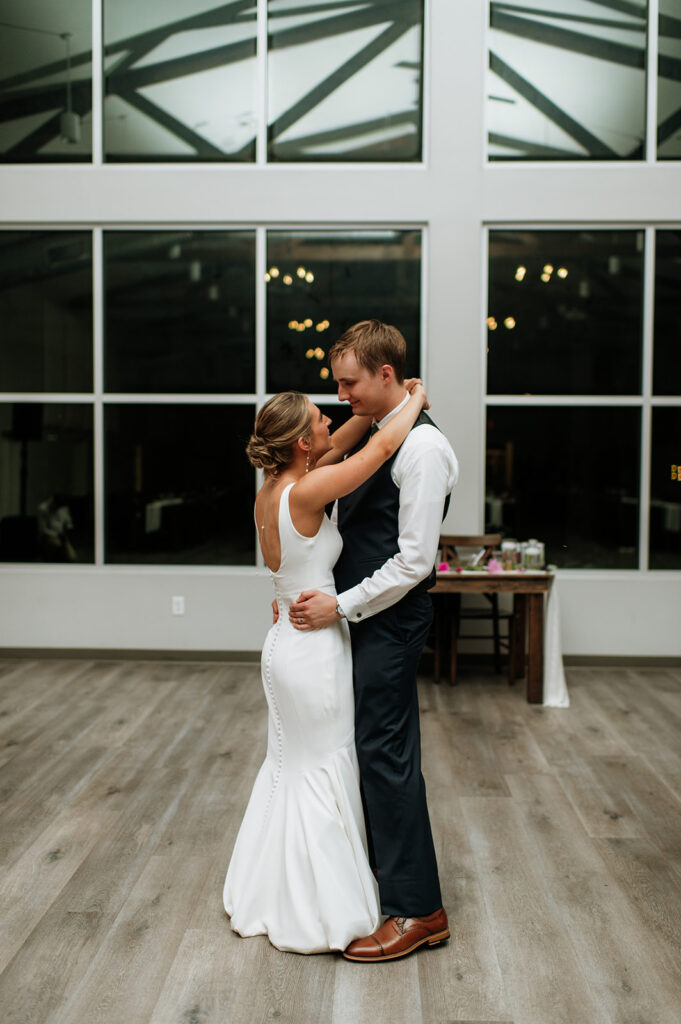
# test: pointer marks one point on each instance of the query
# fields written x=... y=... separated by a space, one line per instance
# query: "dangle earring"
x=307 y=463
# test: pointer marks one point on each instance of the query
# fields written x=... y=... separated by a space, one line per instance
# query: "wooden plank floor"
x=122 y=786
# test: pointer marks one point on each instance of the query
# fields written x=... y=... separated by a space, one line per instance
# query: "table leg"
x=440 y=609
x=517 y=670
x=535 y=643
x=454 y=616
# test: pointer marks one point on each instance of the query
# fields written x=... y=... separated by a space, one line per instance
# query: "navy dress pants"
x=386 y=649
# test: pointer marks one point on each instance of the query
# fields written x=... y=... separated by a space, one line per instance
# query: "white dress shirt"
x=425 y=471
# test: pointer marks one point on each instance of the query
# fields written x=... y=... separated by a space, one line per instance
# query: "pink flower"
x=443 y=567
x=459 y=568
x=494 y=566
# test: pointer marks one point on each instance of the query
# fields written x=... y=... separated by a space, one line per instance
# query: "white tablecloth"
x=555 y=687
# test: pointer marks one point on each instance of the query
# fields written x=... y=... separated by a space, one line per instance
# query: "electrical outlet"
x=178 y=605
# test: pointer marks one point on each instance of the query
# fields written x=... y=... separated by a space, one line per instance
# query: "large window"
x=669 y=81
x=182 y=81
x=182 y=373
x=318 y=284
x=46 y=311
x=569 y=402
x=46 y=482
x=179 y=311
x=45 y=81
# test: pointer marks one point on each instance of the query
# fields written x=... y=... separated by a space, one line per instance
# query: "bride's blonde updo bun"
x=281 y=421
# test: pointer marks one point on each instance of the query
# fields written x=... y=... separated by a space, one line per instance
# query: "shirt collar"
x=393 y=412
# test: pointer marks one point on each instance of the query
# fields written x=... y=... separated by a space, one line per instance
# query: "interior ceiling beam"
x=177 y=128
x=347 y=132
x=535 y=149
x=573 y=42
x=564 y=16
x=337 y=78
x=594 y=146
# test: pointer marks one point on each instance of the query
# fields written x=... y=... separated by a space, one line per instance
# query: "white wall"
x=453 y=196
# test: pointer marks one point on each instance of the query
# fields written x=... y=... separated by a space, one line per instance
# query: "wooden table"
x=527 y=634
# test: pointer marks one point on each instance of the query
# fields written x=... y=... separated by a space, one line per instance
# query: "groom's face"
x=364 y=390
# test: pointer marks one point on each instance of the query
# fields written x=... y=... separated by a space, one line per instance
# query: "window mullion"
x=646 y=391
x=651 y=80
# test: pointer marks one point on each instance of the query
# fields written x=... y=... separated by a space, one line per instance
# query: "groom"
x=390 y=527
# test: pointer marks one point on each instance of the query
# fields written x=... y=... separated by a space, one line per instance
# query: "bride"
x=299 y=871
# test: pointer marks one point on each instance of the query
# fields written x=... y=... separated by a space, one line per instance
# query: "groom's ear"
x=387 y=373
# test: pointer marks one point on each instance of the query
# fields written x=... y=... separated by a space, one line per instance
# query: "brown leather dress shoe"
x=398 y=936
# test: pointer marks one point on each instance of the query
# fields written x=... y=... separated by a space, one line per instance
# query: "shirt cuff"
x=353 y=604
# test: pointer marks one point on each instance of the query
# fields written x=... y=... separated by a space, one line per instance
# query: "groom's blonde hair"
x=374 y=344
x=280 y=423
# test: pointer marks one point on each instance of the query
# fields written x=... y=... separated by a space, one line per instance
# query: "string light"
x=293 y=325
x=300 y=328
x=287 y=279
x=562 y=272
x=308 y=322
x=319 y=353
x=509 y=323
x=268 y=278
x=324 y=372
x=545 y=277
x=274 y=271
x=520 y=273
x=491 y=323
x=300 y=271
x=548 y=269
x=309 y=277
x=309 y=354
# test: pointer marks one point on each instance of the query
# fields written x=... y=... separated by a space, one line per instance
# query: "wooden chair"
x=448 y=608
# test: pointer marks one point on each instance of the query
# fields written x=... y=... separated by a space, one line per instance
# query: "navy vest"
x=368 y=520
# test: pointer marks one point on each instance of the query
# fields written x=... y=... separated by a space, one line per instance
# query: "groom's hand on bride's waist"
x=313 y=610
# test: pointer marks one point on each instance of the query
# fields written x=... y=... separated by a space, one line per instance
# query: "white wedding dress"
x=299 y=871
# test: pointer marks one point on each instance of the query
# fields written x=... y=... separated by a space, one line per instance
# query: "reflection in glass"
x=180 y=80
x=565 y=312
x=667 y=344
x=669 y=81
x=45 y=81
x=566 y=83
x=665 y=490
x=320 y=283
x=46 y=466
x=180 y=311
x=555 y=474
x=179 y=489
x=345 y=80
x=46 y=311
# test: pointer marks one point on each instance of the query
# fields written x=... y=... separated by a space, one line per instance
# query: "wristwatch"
x=339 y=611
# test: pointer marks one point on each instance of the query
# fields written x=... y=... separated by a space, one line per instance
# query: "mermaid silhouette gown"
x=299 y=871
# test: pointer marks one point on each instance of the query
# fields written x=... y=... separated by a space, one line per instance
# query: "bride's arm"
x=349 y=434
x=344 y=439
x=315 y=490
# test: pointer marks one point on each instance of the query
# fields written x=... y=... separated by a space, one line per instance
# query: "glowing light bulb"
x=274 y=271
x=509 y=323
x=548 y=269
x=491 y=323
x=308 y=322
x=300 y=328
x=319 y=327
x=319 y=353
x=520 y=273
x=309 y=354
x=287 y=279
x=324 y=372
x=293 y=325
x=268 y=278
x=562 y=272
x=300 y=271
x=309 y=277
x=545 y=277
